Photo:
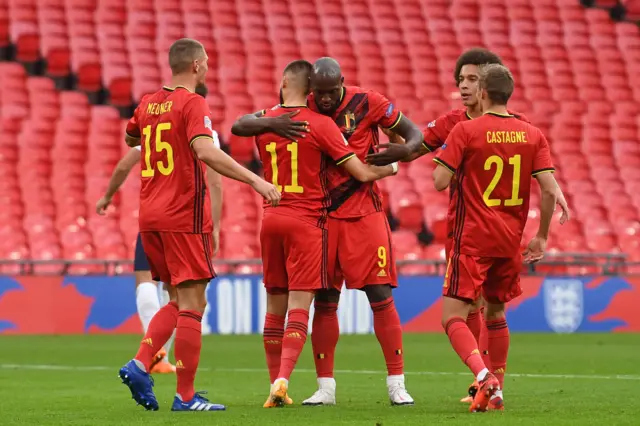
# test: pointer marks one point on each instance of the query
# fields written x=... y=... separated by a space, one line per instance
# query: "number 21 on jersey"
x=293 y=149
x=160 y=145
x=496 y=160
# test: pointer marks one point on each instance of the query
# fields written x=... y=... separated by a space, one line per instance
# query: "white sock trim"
x=482 y=374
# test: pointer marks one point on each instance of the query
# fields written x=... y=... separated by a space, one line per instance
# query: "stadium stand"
x=572 y=66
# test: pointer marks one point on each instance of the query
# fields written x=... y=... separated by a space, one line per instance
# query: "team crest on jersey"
x=207 y=123
x=350 y=122
x=563 y=304
x=432 y=124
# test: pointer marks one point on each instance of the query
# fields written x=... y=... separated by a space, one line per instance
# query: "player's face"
x=201 y=67
x=327 y=92
x=468 y=85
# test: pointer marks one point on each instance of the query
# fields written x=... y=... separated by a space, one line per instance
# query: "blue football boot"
x=197 y=403
x=140 y=384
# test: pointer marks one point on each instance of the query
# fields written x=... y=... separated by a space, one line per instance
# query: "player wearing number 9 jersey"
x=174 y=128
x=293 y=237
x=493 y=159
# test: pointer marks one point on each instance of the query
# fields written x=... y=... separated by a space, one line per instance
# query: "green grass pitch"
x=575 y=379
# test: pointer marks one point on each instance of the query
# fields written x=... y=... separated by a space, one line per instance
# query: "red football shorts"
x=294 y=254
x=497 y=279
x=363 y=251
x=176 y=257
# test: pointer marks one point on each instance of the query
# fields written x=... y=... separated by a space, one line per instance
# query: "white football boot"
x=398 y=394
x=326 y=393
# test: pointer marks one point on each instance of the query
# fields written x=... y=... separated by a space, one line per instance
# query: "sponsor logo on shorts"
x=382 y=273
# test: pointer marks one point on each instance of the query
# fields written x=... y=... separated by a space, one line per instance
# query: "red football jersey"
x=358 y=116
x=437 y=131
x=174 y=195
x=493 y=158
x=435 y=134
x=300 y=169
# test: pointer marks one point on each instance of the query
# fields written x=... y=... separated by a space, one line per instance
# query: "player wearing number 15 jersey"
x=493 y=159
x=294 y=240
x=174 y=128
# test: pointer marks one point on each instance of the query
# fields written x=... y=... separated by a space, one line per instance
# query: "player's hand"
x=566 y=213
x=535 y=250
x=284 y=126
x=102 y=204
x=268 y=191
x=216 y=242
x=392 y=153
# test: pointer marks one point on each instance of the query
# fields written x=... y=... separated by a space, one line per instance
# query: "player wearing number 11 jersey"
x=294 y=238
x=174 y=129
x=493 y=159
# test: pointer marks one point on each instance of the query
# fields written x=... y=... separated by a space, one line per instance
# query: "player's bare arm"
x=227 y=166
x=119 y=175
x=392 y=153
x=215 y=187
x=396 y=138
x=283 y=125
x=562 y=202
x=367 y=173
x=548 y=189
x=442 y=176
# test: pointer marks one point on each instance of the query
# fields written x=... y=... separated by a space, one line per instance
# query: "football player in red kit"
x=295 y=244
x=174 y=129
x=493 y=158
x=466 y=75
x=358 y=228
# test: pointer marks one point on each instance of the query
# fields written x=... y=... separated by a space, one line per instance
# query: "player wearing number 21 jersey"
x=493 y=159
x=294 y=240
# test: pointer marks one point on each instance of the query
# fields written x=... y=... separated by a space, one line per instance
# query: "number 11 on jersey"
x=293 y=149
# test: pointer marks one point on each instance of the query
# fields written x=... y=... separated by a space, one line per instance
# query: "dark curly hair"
x=476 y=56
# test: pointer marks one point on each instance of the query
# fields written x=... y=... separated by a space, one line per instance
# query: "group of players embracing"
x=324 y=222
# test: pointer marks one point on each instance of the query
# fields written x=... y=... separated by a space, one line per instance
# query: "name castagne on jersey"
x=505 y=136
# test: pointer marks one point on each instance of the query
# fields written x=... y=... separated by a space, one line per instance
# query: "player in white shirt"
x=151 y=295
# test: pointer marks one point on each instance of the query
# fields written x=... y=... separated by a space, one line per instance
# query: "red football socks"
x=160 y=330
x=477 y=325
x=294 y=337
x=324 y=338
x=498 y=337
x=464 y=344
x=272 y=341
x=188 y=342
x=483 y=343
x=386 y=324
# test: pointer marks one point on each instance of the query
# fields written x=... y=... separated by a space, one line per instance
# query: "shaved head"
x=327 y=67
x=326 y=84
x=298 y=73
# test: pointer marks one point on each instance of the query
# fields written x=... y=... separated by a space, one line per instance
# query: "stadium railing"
x=556 y=263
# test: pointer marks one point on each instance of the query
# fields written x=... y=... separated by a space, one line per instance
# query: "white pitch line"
x=47 y=367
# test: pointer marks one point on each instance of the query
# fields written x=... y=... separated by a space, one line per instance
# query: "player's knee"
x=328 y=296
x=378 y=293
x=143 y=277
x=494 y=311
x=300 y=299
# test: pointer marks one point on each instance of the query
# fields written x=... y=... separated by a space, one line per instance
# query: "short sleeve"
x=436 y=132
x=139 y=147
x=332 y=142
x=542 y=162
x=196 y=119
x=452 y=151
x=383 y=112
x=132 y=128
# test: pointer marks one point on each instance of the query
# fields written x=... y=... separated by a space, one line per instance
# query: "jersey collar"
x=496 y=114
x=171 y=89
